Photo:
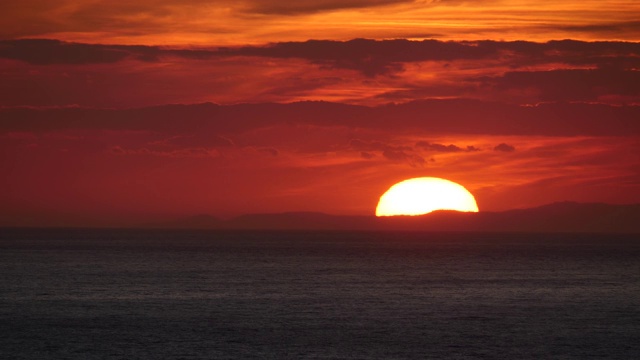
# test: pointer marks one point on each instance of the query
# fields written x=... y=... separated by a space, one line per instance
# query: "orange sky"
x=95 y=131
x=176 y=22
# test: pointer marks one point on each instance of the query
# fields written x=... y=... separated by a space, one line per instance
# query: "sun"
x=423 y=195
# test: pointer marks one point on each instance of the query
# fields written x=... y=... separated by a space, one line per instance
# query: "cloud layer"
x=261 y=21
x=54 y=73
x=436 y=116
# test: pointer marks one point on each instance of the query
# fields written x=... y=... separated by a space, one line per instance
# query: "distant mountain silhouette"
x=556 y=217
x=300 y=220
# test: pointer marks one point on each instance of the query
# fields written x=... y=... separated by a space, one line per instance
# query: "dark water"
x=123 y=294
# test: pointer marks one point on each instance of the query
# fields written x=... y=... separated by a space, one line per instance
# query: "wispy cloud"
x=261 y=21
x=439 y=116
x=54 y=73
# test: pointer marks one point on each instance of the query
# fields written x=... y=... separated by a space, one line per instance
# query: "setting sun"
x=420 y=196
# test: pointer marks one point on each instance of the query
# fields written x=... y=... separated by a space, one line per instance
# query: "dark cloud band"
x=437 y=116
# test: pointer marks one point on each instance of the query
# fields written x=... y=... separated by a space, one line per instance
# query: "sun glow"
x=423 y=195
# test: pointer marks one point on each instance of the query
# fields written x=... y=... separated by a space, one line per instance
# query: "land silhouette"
x=556 y=217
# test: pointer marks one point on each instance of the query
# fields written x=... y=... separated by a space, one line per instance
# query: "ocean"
x=182 y=294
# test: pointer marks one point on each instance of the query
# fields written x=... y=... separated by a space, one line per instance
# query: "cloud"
x=312 y=6
x=444 y=148
x=168 y=153
x=367 y=155
x=345 y=53
x=199 y=139
x=47 y=52
x=304 y=69
x=261 y=21
x=375 y=145
x=610 y=27
x=195 y=145
x=401 y=156
x=55 y=73
x=382 y=57
x=370 y=57
x=571 y=84
x=395 y=153
x=504 y=148
x=198 y=122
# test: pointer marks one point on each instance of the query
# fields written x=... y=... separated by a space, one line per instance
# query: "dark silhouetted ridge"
x=556 y=217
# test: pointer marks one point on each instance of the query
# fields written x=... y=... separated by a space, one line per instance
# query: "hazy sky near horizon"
x=116 y=113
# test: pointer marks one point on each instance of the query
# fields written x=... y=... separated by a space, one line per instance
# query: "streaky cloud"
x=461 y=116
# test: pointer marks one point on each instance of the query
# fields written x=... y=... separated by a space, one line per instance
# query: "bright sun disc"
x=423 y=195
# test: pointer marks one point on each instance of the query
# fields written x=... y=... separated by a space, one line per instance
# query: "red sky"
x=117 y=113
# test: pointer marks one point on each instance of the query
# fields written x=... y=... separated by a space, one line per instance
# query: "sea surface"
x=152 y=294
